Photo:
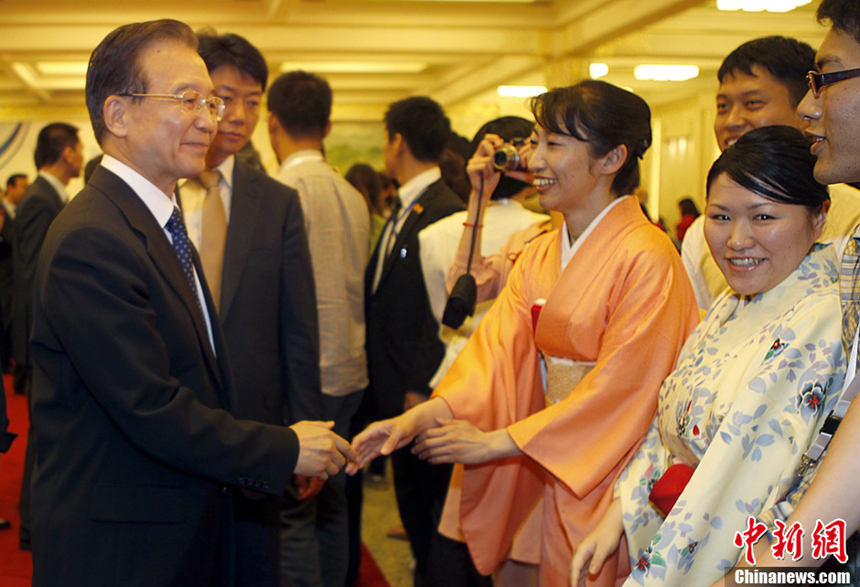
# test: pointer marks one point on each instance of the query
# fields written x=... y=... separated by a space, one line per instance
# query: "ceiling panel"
x=376 y=51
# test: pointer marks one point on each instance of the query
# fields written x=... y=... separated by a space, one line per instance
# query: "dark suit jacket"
x=269 y=317
x=403 y=346
x=134 y=439
x=268 y=303
x=37 y=208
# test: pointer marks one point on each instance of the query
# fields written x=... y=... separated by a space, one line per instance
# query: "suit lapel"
x=163 y=255
x=399 y=250
x=244 y=208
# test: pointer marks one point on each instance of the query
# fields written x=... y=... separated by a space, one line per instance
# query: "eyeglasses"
x=191 y=101
x=819 y=80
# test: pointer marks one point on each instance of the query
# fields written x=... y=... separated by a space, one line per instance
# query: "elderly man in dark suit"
x=138 y=454
x=59 y=156
x=250 y=232
x=403 y=345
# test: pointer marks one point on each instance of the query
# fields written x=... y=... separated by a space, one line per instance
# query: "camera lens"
x=507 y=158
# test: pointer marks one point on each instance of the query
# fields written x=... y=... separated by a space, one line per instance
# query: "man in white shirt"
x=315 y=540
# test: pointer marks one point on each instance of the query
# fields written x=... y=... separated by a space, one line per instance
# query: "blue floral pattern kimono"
x=752 y=387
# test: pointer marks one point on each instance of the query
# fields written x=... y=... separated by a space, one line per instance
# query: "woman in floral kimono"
x=603 y=303
x=754 y=382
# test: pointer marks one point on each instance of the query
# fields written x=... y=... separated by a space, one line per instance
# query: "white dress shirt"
x=161 y=206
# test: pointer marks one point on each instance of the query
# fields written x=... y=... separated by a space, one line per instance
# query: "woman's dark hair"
x=366 y=180
x=775 y=163
x=604 y=116
x=509 y=128
x=688 y=206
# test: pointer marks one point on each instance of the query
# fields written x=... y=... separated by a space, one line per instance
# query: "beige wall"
x=687 y=148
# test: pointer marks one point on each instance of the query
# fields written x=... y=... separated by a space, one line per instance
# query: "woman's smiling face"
x=563 y=169
x=757 y=242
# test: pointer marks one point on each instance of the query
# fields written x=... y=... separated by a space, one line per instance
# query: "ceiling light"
x=520 y=91
x=761 y=5
x=62 y=67
x=356 y=67
x=598 y=70
x=665 y=73
x=495 y=1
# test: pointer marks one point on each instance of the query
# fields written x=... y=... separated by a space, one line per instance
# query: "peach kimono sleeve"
x=491 y=272
x=495 y=382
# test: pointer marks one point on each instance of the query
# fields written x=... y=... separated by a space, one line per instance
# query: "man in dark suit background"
x=16 y=185
x=267 y=304
x=59 y=156
x=137 y=451
x=403 y=346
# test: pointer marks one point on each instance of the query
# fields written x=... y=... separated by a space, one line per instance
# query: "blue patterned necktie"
x=176 y=226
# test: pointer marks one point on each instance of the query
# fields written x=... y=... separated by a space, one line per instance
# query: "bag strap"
x=849 y=391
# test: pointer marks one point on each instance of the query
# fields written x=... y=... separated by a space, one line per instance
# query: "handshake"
x=322 y=453
x=439 y=439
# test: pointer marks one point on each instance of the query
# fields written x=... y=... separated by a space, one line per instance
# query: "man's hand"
x=321 y=452
x=307 y=487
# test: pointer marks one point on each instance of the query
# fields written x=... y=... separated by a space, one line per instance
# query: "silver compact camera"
x=507 y=157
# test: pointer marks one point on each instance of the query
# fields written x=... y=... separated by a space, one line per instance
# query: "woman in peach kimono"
x=603 y=303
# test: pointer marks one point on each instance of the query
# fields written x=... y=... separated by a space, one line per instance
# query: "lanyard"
x=828 y=429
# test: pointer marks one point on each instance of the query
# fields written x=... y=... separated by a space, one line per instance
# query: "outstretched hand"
x=597 y=546
x=381 y=438
x=321 y=452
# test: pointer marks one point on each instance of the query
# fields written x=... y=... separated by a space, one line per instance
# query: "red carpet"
x=16 y=567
